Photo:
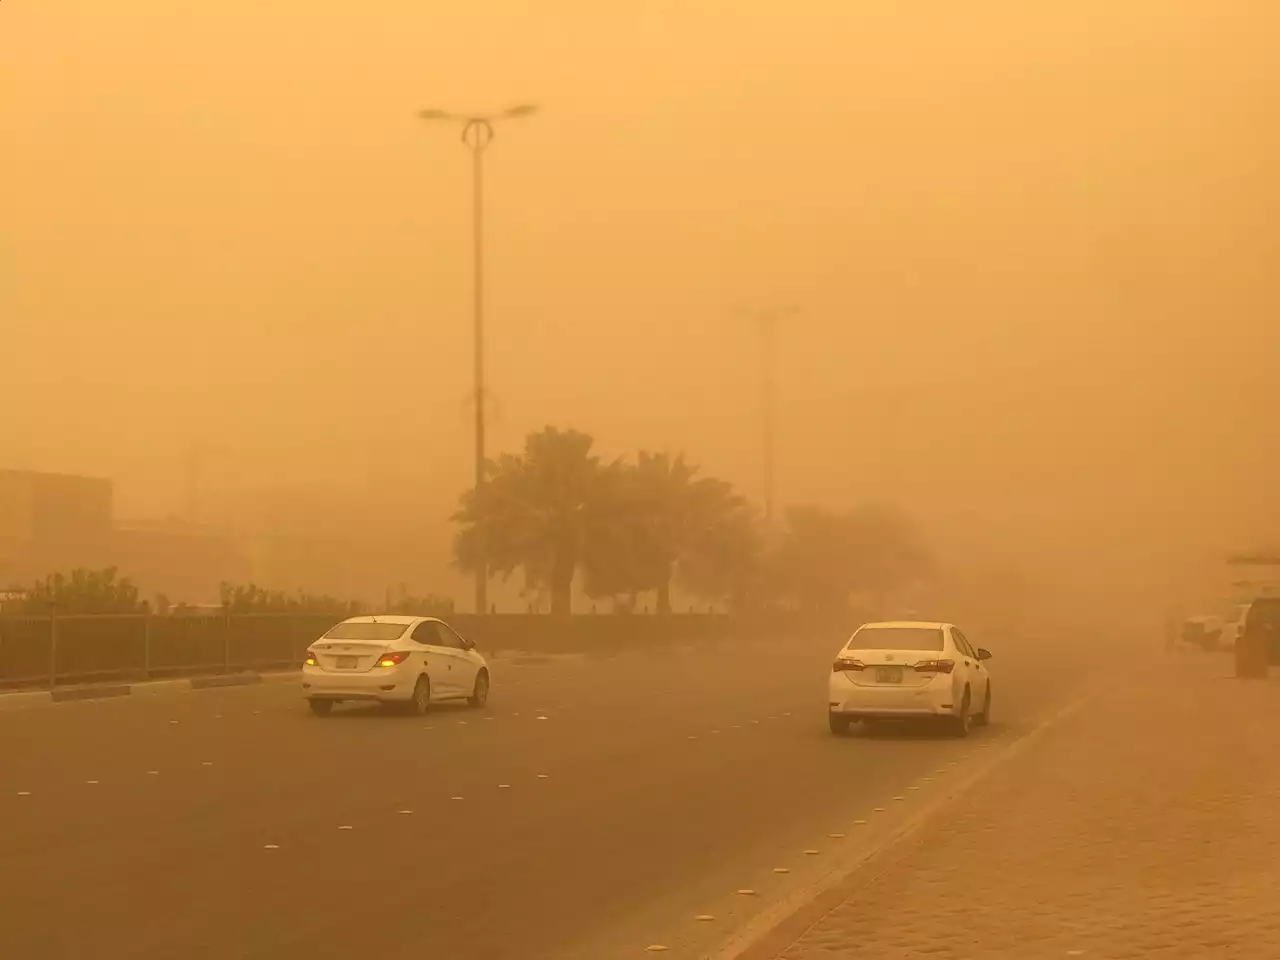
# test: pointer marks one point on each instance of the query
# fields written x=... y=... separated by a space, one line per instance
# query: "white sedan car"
x=906 y=670
x=414 y=661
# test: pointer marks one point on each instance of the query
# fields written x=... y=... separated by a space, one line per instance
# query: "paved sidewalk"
x=1145 y=826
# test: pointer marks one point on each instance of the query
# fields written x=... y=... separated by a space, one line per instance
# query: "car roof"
x=906 y=624
x=389 y=618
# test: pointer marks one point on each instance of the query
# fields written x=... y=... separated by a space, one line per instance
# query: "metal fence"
x=66 y=649
x=61 y=649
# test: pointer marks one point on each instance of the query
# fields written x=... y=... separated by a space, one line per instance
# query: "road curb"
x=31 y=699
x=771 y=933
x=225 y=680
x=97 y=691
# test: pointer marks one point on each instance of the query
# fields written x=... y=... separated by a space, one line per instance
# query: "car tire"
x=420 y=702
x=960 y=724
x=839 y=723
x=321 y=708
x=984 y=718
x=480 y=693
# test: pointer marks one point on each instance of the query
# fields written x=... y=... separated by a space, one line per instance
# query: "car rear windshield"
x=897 y=638
x=365 y=631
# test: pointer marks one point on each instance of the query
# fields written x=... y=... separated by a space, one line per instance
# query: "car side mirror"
x=468 y=644
x=984 y=653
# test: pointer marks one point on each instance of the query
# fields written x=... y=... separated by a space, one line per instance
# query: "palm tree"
x=533 y=513
x=681 y=516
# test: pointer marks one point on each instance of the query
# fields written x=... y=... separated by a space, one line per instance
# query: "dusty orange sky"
x=1034 y=246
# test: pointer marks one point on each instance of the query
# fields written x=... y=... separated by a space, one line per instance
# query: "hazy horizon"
x=1031 y=251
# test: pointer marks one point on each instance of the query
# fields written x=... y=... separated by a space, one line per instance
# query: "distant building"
x=51 y=522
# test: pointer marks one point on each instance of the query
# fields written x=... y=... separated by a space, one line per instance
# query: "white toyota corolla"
x=905 y=670
x=415 y=661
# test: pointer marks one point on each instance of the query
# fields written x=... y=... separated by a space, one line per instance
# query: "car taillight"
x=935 y=666
x=840 y=666
x=311 y=660
x=391 y=658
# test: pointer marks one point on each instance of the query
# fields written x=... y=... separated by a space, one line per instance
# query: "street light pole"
x=767 y=324
x=477 y=134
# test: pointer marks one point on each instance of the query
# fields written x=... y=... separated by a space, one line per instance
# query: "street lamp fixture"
x=477 y=134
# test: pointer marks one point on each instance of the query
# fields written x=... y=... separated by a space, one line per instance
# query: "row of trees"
x=558 y=514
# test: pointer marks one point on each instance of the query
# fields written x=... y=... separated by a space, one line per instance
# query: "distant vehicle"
x=1263 y=619
x=1202 y=632
x=1233 y=626
x=903 y=670
x=410 y=661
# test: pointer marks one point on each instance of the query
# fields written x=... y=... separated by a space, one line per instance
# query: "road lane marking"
x=346 y=827
x=270 y=846
x=405 y=813
x=811 y=853
x=781 y=869
x=704 y=918
x=746 y=893
x=542 y=776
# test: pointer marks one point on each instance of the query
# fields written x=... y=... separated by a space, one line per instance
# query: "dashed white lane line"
x=746 y=893
x=153 y=773
x=811 y=853
x=346 y=826
x=704 y=918
x=655 y=948
x=542 y=776
x=206 y=763
x=404 y=813
x=24 y=793
x=840 y=836
x=456 y=798
x=91 y=781
x=781 y=869
x=270 y=846
x=504 y=786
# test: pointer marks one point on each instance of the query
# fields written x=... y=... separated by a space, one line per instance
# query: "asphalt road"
x=595 y=807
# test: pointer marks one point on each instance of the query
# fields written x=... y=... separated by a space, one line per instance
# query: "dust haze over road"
x=1031 y=252
x=597 y=806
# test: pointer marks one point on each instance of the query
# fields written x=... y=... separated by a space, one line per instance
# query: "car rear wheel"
x=839 y=723
x=984 y=718
x=480 y=695
x=321 y=708
x=963 y=720
x=420 y=703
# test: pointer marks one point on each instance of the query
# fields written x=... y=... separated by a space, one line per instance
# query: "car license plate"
x=888 y=674
x=346 y=663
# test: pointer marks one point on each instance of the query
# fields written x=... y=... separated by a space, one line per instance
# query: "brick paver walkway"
x=1146 y=826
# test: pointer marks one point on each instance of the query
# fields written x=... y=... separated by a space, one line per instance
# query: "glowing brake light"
x=311 y=660
x=842 y=665
x=391 y=658
x=935 y=666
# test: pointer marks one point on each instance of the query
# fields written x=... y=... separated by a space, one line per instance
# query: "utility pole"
x=477 y=134
x=767 y=321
